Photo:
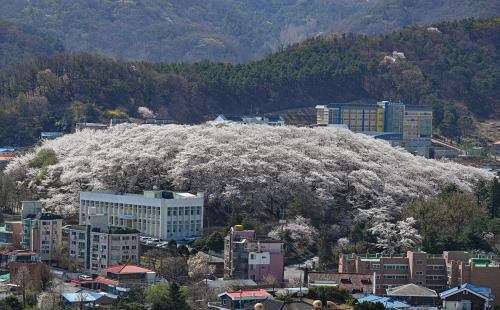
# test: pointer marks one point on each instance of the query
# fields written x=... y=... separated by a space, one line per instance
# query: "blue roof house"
x=88 y=298
x=467 y=297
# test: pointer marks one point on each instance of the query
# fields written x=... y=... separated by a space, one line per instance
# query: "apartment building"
x=43 y=235
x=97 y=246
x=401 y=124
x=11 y=234
x=248 y=257
x=42 y=232
x=434 y=271
x=390 y=271
x=161 y=214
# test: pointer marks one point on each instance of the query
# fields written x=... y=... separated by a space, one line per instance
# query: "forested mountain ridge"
x=454 y=66
x=222 y=30
x=18 y=43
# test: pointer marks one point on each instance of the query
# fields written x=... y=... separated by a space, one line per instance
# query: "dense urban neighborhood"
x=107 y=245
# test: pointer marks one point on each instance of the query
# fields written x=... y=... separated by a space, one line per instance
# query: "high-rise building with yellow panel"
x=402 y=124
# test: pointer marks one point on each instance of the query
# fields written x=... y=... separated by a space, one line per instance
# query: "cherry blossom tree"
x=145 y=112
x=396 y=237
x=255 y=169
x=199 y=266
x=300 y=231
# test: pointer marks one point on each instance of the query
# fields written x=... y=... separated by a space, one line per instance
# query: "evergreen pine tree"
x=494 y=201
x=324 y=251
x=176 y=298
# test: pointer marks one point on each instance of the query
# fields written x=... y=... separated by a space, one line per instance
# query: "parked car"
x=162 y=244
x=153 y=241
x=84 y=277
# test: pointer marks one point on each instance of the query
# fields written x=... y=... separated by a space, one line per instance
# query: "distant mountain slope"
x=226 y=30
x=17 y=43
x=454 y=66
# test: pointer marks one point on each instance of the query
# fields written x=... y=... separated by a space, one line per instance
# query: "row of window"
x=389 y=267
x=435 y=277
x=395 y=276
x=139 y=209
x=436 y=267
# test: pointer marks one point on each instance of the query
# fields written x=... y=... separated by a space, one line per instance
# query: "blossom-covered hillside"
x=256 y=169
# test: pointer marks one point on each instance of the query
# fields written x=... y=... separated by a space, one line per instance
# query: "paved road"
x=293 y=273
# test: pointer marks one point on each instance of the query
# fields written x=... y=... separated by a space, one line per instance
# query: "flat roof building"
x=401 y=124
x=434 y=271
x=161 y=214
x=97 y=246
x=42 y=232
x=248 y=257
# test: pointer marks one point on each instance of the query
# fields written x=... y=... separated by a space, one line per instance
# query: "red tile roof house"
x=130 y=274
x=101 y=284
x=238 y=299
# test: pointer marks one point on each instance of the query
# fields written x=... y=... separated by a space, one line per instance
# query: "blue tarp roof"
x=86 y=296
x=83 y=296
x=386 y=301
x=484 y=291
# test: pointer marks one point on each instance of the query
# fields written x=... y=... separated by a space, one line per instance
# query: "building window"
x=436 y=267
x=395 y=276
x=375 y=267
x=435 y=277
x=395 y=266
x=419 y=273
x=419 y=262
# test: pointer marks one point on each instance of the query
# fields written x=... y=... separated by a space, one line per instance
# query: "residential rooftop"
x=247 y=294
x=17 y=252
x=126 y=269
x=115 y=230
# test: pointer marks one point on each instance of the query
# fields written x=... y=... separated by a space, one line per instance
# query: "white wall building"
x=42 y=232
x=160 y=214
x=95 y=249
